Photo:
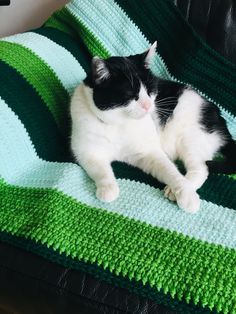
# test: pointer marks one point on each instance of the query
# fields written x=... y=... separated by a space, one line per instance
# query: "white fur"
x=150 y=54
x=100 y=68
x=138 y=109
x=130 y=134
x=184 y=139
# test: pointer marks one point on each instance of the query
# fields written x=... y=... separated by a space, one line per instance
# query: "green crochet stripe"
x=187 y=57
x=57 y=149
x=75 y=47
x=55 y=22
x=41 y=78
x=209 y=191
x=104 y=274
x=187 y=269
x=77 y=29
x=51 y=145
x=121 y=38
x=22 y=98
x=105 y=35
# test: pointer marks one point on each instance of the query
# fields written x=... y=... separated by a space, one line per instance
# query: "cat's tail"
x=228 y=165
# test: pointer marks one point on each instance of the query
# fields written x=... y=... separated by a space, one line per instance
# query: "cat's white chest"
x=128 y=139
x=91 y=135
x=141 y=134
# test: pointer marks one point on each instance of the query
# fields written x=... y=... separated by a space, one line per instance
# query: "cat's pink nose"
x=146 y=105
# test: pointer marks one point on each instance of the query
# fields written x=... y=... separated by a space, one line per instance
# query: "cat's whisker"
x=164 y=109
x=166 y=103
x=164 y=112
x=168 y=97
x=164 y=115
x=165 y=99
x=166 y=106
x=167 y=112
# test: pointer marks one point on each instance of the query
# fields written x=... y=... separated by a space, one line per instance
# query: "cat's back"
x=185 y=124
x=178 y=105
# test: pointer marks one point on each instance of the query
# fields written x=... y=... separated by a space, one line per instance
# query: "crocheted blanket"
x=141 y=241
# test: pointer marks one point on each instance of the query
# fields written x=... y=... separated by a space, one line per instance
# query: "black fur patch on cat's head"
x=116 y=81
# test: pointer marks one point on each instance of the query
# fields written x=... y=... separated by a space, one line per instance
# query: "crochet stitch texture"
x=141 y=241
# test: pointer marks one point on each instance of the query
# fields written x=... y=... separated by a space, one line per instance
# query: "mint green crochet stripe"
x=115 y=31
x=187 y=56
x=46 y=50
x=120 y=36
x=187 y=269
x=79 y=30
x=214 y=224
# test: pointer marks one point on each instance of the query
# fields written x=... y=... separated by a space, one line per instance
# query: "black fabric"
x=214 y=21
x=4 y=2
x=30 y=284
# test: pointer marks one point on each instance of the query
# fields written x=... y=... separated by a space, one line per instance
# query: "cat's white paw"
x=108 y=192
x=169 y=194
x=188 y=200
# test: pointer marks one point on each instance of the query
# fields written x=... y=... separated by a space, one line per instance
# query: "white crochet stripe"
x=20 y=166
x=64 y=65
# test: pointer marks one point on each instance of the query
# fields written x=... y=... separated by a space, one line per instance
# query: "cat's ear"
x=100 y=70
x=149 y=54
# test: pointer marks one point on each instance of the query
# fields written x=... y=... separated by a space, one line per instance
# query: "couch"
x=30 y=284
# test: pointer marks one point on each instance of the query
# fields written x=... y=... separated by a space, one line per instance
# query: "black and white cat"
x=123 y=112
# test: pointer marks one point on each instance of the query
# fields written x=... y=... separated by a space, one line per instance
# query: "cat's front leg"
x=197 y=174
x=99 y=169
x=161 y=167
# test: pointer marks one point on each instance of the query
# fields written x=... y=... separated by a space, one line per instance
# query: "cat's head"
x=123 y=87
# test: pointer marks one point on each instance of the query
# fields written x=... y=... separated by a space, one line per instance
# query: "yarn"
x=141 y=241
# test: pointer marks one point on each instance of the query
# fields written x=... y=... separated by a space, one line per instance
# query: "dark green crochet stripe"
x=47 y=85
x=50 y=145
x=58 y=23
x=209 y=192
x=188 y=58
x=128 y=248
x=218 y=189
x=104 y=274
x=75 y=47
x=21 y=97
